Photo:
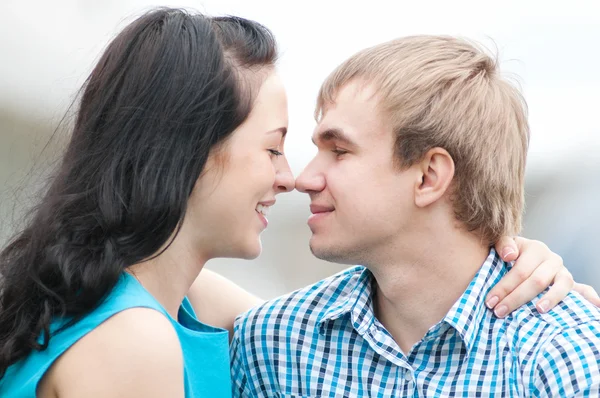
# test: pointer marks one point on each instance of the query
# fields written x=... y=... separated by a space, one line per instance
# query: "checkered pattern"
x=324 y=341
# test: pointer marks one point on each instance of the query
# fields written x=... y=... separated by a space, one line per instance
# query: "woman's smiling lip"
x=263 y=219
x=261 y=216
x=270 y=202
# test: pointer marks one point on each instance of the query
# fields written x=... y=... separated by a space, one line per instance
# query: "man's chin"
x=329 y=253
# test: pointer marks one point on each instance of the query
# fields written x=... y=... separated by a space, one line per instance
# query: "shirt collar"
x=467 y=313
x=354 y=298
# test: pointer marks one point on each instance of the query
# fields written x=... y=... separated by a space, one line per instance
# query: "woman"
x=174 y=157
x=155 y=182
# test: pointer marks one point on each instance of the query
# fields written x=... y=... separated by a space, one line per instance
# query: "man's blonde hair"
x=447 y=92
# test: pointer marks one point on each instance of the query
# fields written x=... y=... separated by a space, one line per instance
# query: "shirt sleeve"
x=569 y=365
x=241 y=383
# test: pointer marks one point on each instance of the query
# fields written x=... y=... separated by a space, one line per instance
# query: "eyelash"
x=339 y=152
x=275 y=152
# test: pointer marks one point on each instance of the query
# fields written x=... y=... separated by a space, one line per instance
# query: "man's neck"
x=415 y=293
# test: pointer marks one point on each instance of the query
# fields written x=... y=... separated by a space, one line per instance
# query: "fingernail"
x=543 y=306
x=492 y=302
x=501 y=311
x=507 y=252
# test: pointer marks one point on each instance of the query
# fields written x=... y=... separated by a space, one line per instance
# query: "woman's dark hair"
x=167 y=91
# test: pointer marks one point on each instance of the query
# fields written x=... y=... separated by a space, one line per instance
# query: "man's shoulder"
x=567 y=362
x=303 y=306
x=569 y=331
x=572 y=312
x=574 y=319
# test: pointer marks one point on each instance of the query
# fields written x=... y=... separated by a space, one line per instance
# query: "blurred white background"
x=47 y=49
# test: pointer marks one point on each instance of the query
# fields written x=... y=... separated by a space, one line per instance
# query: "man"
x=420 y=168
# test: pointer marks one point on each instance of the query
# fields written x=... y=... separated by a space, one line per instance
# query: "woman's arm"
x=535 y=269
x=217 y=300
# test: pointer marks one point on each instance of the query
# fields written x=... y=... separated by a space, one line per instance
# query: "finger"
x=588 y=292
x=507 y=248
x=563 y=283
x=536 y=283
x=527 y=262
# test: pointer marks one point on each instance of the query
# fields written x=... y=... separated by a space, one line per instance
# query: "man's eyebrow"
x=333 y=134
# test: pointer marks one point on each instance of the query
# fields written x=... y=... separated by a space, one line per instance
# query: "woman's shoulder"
x=135 y=352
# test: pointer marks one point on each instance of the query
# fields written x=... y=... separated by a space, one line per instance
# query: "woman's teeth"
x=264 y=210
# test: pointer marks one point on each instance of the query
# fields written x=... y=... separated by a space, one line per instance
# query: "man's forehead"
x=352 y=116
x=353 y=91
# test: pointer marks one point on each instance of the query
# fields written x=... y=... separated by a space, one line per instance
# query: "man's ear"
x=436 y=173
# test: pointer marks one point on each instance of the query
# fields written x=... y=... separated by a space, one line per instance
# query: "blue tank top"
x=205 y=348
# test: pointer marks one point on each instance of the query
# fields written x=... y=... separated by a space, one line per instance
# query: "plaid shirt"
x=324 y=341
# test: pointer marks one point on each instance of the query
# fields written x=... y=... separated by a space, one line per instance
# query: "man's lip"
x=315 y=209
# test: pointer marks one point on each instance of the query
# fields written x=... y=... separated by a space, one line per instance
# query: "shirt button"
x=408 y=376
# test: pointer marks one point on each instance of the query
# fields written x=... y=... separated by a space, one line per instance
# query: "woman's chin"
x=251 y=251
